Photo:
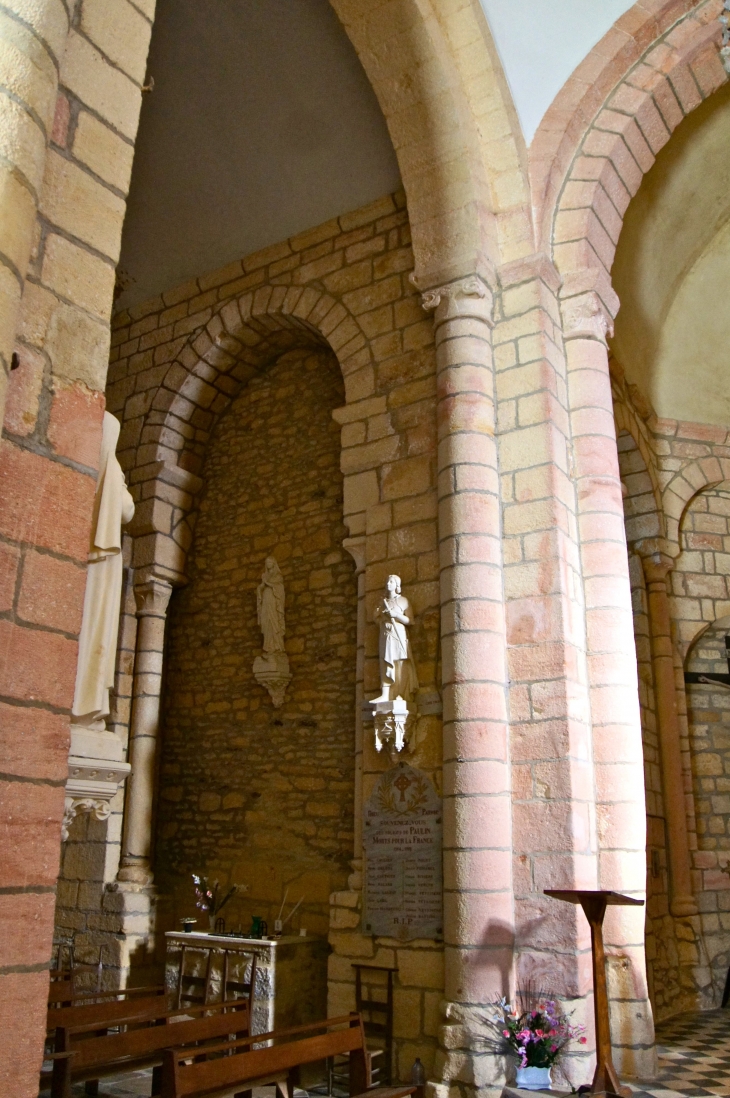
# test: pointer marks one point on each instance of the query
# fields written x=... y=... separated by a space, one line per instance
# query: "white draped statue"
x=113 y=508
x=398 y=675
x=270 y=607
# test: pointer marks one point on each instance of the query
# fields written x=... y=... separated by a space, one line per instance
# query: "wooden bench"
x=239 y=1065
x=82 y=1053
x=105 y=1008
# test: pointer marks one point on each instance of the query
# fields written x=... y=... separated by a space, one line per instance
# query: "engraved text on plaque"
x=402 y=840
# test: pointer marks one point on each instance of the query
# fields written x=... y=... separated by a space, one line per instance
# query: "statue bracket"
x=272 y=672
x=391 y=722
x=96 y=772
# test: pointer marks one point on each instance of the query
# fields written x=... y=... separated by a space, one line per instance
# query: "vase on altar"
x=533 y=1078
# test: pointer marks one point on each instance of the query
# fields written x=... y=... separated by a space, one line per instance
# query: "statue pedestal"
x=389 y=718
x=96 y=770
x=272 y=672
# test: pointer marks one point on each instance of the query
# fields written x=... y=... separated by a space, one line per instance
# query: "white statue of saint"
x=270 y=607
x=113 y=508
x=398 y=675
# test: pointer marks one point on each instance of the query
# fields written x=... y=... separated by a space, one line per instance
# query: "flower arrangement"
x=207 y=896
x=536 y=1032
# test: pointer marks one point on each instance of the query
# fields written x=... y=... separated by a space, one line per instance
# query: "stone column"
x=152 y=598
x=611 y=662
x=478 y=899
x=657 y=566
x=356 y=548
x=33 y=36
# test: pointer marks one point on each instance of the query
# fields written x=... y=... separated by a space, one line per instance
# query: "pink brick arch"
x=706 y=472
x=169 y=442
x=603 y=132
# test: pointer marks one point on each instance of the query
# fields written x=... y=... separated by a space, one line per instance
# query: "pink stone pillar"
x=478 y=916
x=656 y=569
x=611 y=659
x=152 y=599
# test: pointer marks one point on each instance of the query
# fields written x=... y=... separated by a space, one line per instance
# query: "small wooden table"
x=594 y=904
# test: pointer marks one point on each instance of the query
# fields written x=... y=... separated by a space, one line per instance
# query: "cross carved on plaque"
x=401 y=784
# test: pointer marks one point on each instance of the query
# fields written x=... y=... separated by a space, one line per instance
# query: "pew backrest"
x=144 y=1039
x=66 y=993
x=108 y=1010
x=237 y=1064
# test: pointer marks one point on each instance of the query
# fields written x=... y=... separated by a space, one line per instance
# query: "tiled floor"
x=694 y=1057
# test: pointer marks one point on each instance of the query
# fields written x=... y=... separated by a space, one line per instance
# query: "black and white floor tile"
x=694 y=1057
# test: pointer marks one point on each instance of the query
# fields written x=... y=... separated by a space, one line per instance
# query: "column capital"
x=356 y=548
x=464 y=297
x=658 y=557
x=657 y=567
x=152 y=597
x=586 y=317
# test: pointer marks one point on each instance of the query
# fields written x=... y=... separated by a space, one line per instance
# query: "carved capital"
x=657 y=567
x=586 y=317
x=468 y=297
x=75 y=806
x=356 y=548
x=152 y=598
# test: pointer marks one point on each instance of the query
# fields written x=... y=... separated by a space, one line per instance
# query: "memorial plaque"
x=402 y=841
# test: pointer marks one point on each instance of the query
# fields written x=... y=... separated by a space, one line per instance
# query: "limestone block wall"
x=251 y=793
x=343 y=286
x=86 y=62
x=674 y=473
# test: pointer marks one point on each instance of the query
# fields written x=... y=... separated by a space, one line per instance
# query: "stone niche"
x=251 y=793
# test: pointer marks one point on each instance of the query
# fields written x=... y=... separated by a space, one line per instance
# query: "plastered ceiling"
x=541 y=42
x=261 y=124
x=672 y=272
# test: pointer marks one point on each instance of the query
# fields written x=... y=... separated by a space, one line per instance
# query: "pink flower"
x=505 y=1033
x=582 y=1040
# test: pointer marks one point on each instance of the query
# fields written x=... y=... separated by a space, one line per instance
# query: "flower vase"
x=211 y=922
x=533 y=1078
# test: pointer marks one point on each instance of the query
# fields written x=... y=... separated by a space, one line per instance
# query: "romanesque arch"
x=209 y=371
x=653 y=70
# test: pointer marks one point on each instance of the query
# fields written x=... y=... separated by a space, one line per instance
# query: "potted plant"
x=537 y=1031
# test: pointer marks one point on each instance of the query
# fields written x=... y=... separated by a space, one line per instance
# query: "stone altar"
x=402 y=842
x=291 y=973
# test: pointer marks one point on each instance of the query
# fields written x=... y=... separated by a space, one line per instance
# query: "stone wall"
x=250 y=793
x=701 y=590
x=346 y=283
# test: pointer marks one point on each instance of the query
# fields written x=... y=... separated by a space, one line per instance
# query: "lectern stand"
x=594 y=904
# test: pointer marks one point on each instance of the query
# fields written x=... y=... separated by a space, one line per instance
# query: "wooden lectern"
x=594 y=904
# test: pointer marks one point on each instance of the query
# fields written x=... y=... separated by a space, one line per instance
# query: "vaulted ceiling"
x=262 y=123
x=672 y=271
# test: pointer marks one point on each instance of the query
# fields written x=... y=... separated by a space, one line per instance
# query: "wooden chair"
x=377 y=1015
x=378 y=1029
x=272 y=1058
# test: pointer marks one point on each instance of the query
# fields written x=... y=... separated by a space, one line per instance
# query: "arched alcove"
x=249 y=792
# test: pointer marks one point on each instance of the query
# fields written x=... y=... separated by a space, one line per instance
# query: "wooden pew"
x=237 y=1065
x=106 y=1007
x=91 y=1056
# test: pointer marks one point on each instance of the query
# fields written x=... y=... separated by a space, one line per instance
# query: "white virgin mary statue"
x=113 y=508
x=270 y=607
